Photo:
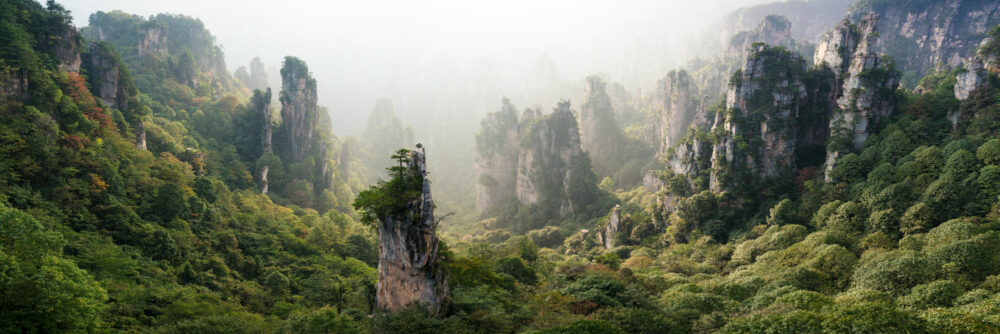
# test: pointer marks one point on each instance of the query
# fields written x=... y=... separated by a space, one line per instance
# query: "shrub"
x=894 y=272
x=989 y=152
x=934 y=294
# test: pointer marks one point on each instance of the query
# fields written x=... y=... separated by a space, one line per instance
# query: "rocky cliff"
x=537 y=160
x=600 y=134
x=256 y=78
x=607 y=236
x=866 y=94
x=260 y=105
x=775 y=30
x=762 y=104
x=298 y=107
x=922 y=35
x=111 y=82
x=409 y=267
x=677 y=100
x=550 y=154
x=497 y=157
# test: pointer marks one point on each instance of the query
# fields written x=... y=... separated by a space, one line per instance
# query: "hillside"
x=780 y=187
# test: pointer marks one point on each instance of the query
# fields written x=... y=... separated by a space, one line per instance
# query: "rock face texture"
x=535 y=160
x=111 y=82
x=409 y=271
x=809 y=18
x=256 y=78
x=550 y=149
x=298 y=106
x=68 y=49
x=261 y=105
x=679 y=99
x=921 y=35
x=496 y=161
x=13 y=86
x=607 y=236
x=599 y=132
x=762 y=103
x=774 y=30
x=153 y=40
x=866 y=94
x=973 y=78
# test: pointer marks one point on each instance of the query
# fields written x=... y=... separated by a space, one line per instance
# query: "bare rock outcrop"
x=866 y=94
x=607 y=236
x=599 y=132
x=924 y=35
x=298 y=106
x=409 y=268
x=497 y=158
x=260 y=104
x=762 y=104
x=971 y=79
x=679 y=99
x=550 y=149
x=111 y=82
x=535 y=160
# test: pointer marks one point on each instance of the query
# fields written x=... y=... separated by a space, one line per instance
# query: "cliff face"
x=775 y=30
x=599 y=132
x=550 y=146
x=534 y=160
x=762 y=104
x=496 y=161
x=810 y=18
x=298 y=106
x=153 y=40
x=867 y=92
x=68 y=49
x=922 y=35
x=260 y=104
x=111 y=82
x=409 y=269
x=607 y=236
x=256 y=78
x=677 y=95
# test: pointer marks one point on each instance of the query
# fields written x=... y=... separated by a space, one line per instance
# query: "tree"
x=391 y=198
x=40 y=291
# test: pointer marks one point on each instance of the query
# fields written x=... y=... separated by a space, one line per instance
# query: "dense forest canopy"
x=788 y=181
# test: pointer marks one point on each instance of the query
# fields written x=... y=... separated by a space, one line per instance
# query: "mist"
x=440 y=59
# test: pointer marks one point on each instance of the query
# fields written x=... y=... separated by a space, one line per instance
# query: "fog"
x=439 y=59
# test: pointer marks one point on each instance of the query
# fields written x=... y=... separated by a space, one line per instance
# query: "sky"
x=418 y=52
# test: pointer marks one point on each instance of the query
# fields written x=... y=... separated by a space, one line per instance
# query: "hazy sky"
x=363 y=50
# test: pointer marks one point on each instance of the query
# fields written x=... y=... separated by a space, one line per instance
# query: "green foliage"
x=891 y=271
x=584 y=327
x=391 y=199
x=42 y=290
x=517 y=268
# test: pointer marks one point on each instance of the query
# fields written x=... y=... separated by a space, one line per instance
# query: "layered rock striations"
x=260 y=105
x=111 y=82
x=678 y=101
x=550 y=157
x=866 y=93
x=606 y=237
x=599 y=132
x=924 y=35
x=409 y=268
x=535 y=160
x=762 y=104
x=298 y=107
x=497 y=158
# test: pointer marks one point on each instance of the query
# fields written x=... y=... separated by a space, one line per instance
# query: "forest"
x=791 y=178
